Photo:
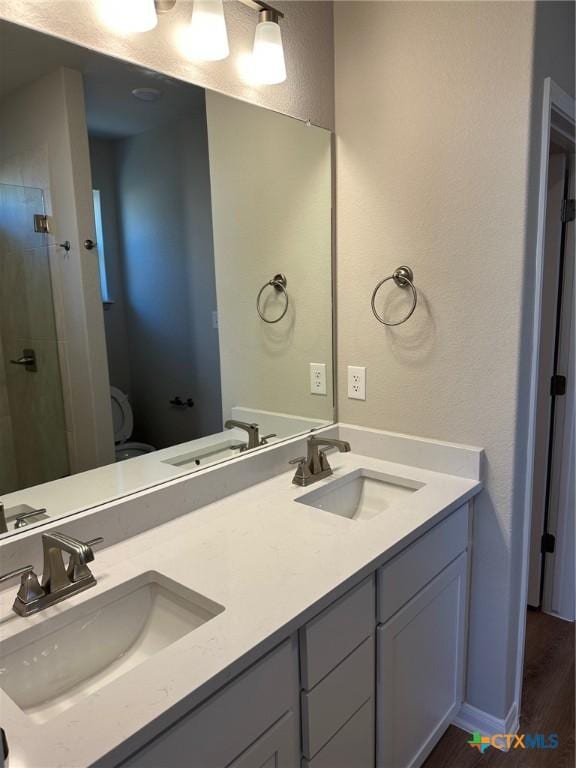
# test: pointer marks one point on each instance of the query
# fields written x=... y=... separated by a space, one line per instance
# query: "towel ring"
x=279 y=283
x=403 y=277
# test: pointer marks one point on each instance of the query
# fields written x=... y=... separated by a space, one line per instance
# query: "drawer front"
x=352 y=746
x=332 y=635
x=410 y=571
x=327 y=707
x=218 y=731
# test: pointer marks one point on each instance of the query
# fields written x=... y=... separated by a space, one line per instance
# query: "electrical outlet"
x=356 y=382
x=318 y=378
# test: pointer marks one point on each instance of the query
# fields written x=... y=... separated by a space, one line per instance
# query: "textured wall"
x=271 y=209
x=307 y=30
x=433 y=172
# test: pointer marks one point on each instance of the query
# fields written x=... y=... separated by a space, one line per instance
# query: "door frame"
x=557 y=109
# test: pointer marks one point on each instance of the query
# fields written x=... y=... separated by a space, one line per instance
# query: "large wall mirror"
x=165 y=278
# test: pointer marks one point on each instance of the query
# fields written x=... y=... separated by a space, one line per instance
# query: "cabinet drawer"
x=353 y=745
x=410 y=571
x=328 y=706
x=333 y=634
x=218 y=731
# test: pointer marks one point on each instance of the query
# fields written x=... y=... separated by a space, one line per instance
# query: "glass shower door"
x=33 y=435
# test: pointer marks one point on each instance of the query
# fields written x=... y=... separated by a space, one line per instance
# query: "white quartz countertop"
x=271 y=562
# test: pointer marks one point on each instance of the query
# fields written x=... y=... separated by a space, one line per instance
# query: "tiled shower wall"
x=34 y=448
x=8 y=475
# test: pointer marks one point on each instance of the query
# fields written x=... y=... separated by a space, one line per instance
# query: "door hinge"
x=41 y=224
x=568 y=210
x=548 y=544
x=557 y=385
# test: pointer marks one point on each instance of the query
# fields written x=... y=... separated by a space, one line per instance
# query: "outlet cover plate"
x=318 y=378
x=356 y=382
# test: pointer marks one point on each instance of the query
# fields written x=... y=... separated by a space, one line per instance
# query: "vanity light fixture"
x=142 y=14
x=268 y=53
x=207 y=37
x=129 y=16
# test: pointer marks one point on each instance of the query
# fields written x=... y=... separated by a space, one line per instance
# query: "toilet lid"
x=122 y=417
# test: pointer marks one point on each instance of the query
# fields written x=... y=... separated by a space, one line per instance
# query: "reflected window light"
x=100 y=242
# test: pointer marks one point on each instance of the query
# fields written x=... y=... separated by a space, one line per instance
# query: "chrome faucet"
x=254 y=439
x=20 y=520
x=59 y=581
x=314 y=466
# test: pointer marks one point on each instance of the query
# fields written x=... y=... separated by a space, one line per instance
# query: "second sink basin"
x=210 y=454
x=361 y=495
x=94 y=643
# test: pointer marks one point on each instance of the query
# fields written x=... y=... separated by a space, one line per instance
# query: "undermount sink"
x=361 y=495
x=201 y=457
x=92 y=644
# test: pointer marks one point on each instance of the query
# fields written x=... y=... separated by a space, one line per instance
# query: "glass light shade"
x=268 y=54
x=207 y=38
x=128 y=16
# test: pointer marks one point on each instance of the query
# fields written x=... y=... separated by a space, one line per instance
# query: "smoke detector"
x=147 y=94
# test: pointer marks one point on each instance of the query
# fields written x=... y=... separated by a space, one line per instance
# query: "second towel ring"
x=404 y=278
x=279 y=283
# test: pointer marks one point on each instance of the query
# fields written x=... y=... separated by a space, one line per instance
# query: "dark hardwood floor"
x=547 y=705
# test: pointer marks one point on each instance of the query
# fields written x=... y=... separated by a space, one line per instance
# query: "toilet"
x=123 y=421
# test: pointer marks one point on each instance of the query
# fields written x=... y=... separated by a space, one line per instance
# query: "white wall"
x=271 y=209
x=307 y=30
x=434 y=103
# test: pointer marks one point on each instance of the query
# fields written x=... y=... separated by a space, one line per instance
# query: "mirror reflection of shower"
x=150 y=174
x=139 y=217
x=34 y=443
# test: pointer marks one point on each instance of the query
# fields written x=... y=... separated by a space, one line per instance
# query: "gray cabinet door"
x=279 y=747
x=228 y=725
x=420 y=669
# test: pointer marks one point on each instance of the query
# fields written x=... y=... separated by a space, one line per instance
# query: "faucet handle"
x=303 y=472
x=21 y=520
x=77 y=570
x=264 y=440
x=93 y=542
x=324 y=463
x=30 y=588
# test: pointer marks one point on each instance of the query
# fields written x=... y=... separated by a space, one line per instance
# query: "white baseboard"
x=472 y=719
x=570 y=619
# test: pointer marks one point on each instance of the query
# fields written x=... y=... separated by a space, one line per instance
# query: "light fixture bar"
x=163 y=6
x=260 y=5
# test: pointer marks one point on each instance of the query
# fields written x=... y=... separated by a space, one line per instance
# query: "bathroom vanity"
x=272 y=626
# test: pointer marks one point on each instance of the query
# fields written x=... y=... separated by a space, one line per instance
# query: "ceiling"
x=111 y=110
